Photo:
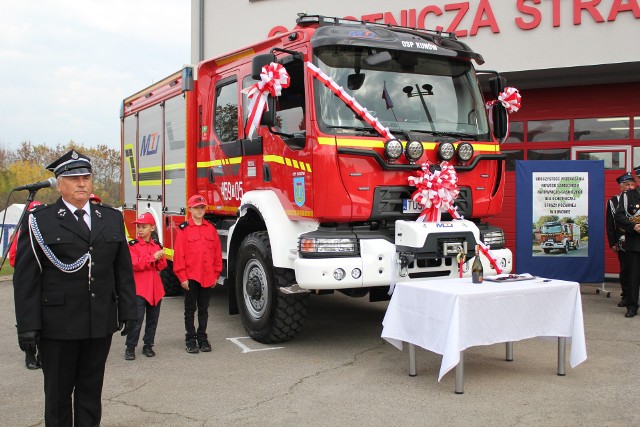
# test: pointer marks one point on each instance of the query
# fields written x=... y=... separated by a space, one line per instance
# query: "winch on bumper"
x=421 y=250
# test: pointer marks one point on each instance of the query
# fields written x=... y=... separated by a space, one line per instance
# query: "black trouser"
x=73 y=368
x=196 y=296
x=624 y=273
x=153 y=313
x=633 y=279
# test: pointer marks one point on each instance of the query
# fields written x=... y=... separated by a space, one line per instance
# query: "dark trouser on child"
x=152 y=313
x=196 y=297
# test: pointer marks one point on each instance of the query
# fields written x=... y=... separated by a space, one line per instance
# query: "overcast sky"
x=66 y=65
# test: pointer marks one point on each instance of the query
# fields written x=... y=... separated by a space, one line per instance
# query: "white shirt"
x=87 y=210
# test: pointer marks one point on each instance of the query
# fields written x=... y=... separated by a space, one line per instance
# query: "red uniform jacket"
x=12 y=251
x=145 y=269
x=197 y=253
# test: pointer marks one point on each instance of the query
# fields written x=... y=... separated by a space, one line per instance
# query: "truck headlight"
x=446 y=151
x=465 y=151
x=327 y=247
x=414 y=151
x=393 y=149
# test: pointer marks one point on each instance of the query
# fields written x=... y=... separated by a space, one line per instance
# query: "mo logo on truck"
x=149 y=144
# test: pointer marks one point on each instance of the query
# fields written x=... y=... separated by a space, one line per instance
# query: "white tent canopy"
x=13 y=213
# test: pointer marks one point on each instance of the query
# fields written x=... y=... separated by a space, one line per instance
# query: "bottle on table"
x=476 y=268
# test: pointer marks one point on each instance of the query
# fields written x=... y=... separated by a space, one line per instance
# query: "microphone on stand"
x=51 y=182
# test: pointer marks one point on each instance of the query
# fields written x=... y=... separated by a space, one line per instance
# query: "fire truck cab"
x=316 y=200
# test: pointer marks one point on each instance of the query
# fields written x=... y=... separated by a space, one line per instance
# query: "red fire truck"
x=317 y=200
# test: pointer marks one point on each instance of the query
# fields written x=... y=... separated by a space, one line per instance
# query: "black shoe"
x=147 y=350
x=204 y=345
x=622 y=303
x=631 y=312
x=130 y=353
x=192 y=347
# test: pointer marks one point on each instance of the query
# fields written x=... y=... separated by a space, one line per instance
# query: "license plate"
x=409 y=206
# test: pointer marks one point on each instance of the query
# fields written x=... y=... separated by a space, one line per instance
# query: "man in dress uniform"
x=615 y=234
x=628 y=218
x=73 y=287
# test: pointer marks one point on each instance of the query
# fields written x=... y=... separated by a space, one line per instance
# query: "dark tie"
x=83 y=224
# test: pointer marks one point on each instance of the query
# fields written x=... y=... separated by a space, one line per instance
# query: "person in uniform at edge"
x=148 y=259
x=31 y=360
x=197 y=263
x=628 y=218
x=615 y=234
x=73 y=287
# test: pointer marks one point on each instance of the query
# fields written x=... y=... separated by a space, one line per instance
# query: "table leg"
x=412 y=360
x=509 y=355
x=460 y=375
x=562 y=352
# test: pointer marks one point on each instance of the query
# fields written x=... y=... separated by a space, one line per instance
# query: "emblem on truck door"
x=299 y=190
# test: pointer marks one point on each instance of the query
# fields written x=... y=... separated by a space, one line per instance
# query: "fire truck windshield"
x=551 y=229
x=409 y=92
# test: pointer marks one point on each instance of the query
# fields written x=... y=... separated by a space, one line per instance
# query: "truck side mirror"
x=499 y=118
x=269 y=116
x=500 y=122
x=497 y=85
x=260 y=61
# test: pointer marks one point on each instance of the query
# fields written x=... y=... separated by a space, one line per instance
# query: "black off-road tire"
x=268 y=315
x=170 y=282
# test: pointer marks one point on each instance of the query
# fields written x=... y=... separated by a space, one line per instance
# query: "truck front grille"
x=387 y=203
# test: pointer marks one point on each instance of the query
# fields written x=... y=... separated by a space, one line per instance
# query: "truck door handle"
x=266 y=173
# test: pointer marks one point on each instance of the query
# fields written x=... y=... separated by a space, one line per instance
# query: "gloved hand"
x=28 y=341
x=125 y=326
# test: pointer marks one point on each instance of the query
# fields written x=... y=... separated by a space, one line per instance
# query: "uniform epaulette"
x=133 y=242
x=39 y=207
x=183 y=225
x=157 y=242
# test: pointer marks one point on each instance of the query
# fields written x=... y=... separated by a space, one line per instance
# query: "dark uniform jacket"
x=613 y=231
x=73 y=306
x=629 y=208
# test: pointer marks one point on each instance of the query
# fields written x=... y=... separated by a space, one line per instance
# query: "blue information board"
x=560 y=219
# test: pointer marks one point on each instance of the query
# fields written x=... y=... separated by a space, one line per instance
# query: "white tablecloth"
x=451 y=315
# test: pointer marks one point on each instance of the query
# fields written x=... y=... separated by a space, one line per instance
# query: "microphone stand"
x=30 y=198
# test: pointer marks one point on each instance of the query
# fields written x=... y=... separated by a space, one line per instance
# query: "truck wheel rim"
x=255 y=289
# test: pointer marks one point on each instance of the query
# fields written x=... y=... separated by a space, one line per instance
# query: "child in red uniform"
x=148 y=259
x=197 y=263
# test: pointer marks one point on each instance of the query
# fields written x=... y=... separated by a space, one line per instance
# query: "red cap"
x=145 y=218
x=196 y=200
x=33 y=204
x=94 y=197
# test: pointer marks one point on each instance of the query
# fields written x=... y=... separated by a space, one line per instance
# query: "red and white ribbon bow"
x=509 y=98
x=435 y=191
x=273 y=79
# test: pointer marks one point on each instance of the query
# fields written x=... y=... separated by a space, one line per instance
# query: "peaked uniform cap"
x=94 y=197
x=71 y=163
x=625 y=177
x=196 y=200
x=145 y=218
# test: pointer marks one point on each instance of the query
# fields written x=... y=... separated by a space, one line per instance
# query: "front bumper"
x=382 y=263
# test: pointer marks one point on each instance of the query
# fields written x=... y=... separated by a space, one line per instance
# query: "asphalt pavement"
x=339 y=372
